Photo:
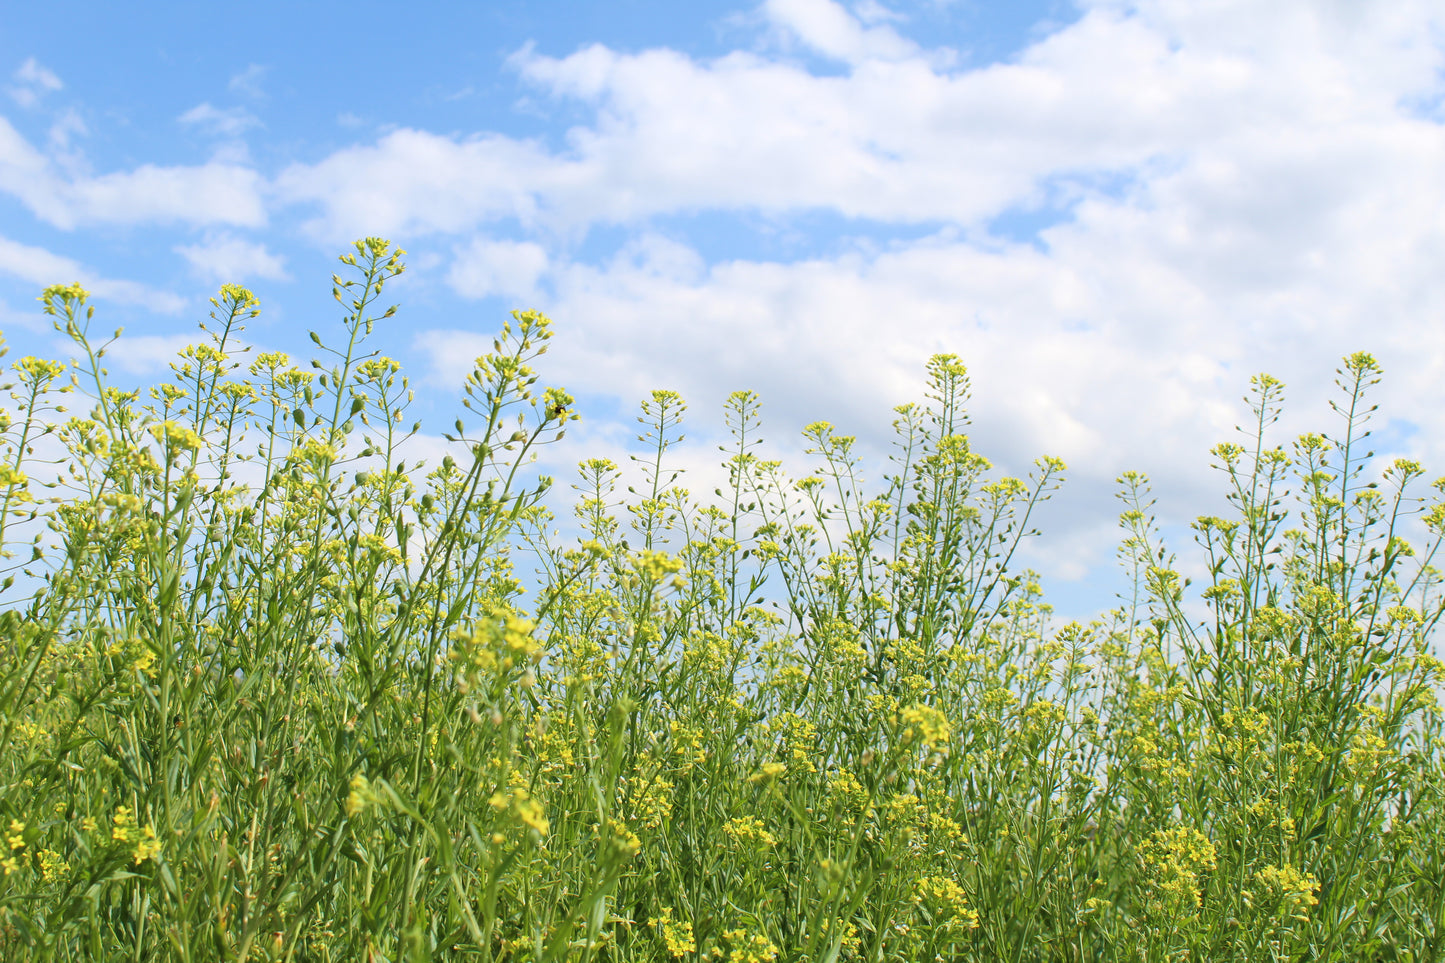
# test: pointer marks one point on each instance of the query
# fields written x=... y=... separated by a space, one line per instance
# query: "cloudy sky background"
x=1114 y=212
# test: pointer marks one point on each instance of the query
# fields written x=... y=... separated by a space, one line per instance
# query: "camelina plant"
x=271 y=692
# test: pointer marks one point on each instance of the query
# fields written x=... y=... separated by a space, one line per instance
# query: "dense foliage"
x=270 y=693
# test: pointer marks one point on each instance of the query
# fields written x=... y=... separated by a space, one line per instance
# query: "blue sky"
x=1114 y=212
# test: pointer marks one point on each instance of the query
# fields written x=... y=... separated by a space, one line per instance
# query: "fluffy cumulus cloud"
x=825 y=26
x=510 y=269
x=225 y=258
x=212 y=193
x=413 y=182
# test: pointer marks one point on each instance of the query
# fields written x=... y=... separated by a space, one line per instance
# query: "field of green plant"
x=270 y=692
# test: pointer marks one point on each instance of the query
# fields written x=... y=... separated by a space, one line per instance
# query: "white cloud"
x=212 y=193
x=33 y=82
x=223 y=123
x=69 y=124
x=452 y=353
x=377 y=191
x=227 y=259
x=898 y=141
x=507 y=268
x=831 y=30
x=144 y=354
x=43 y=268
x=208 y=194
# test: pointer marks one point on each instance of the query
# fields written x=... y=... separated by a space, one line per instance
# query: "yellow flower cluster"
x=924 y=725
x=749 y=829
x=749 y=949
x=1174 y=858
x=947 y=900
x=524 y=807
x=176 y=437
x=361 y=796
x=622 y=842
x=676 y=934
x=16 y=842
x=1291 y=890
x=125 y=830
x=649 y=800
x=493 y=647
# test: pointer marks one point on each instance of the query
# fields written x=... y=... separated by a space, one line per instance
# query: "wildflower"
x=651 y=800
x=1173 y=859
x=1294 y=891
x=676 y=934
x=176 y=436
x=750 y=829
x=653 y=565
x=361 y=795
x=492 y=647
x=622 y=841
x=925 y=724
x=235 y=294
x=377 y=369
x=16 y=839
x=378 y=547
x=63 y=293
x=768 y=771
x=12 y=477
x=529 y=811
x=749 y=949
x=36 y=370
x=947 y=901
x=147 y=846
x=524 y=807
x=53 y=867
x=122 y=824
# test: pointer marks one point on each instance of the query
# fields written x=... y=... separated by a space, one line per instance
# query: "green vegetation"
x=279 y=697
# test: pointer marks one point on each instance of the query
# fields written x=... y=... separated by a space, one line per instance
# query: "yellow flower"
x=53 y=866
x=1174 y=858
x=1294 y=891
x=147 y=846
x=749 y=828
x=529 y=811
x=925 y=724
x=36 y=370
x=11 y=477
x=623 y=842
x=947 y=900
x=676 y=934
x=525 y=808
x=749 y=949
x=768 y=771
x=176 y=436
x=122 y=825
x=361 y=795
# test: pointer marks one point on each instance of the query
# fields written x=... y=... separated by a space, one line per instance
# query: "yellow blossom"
x=676 y=934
